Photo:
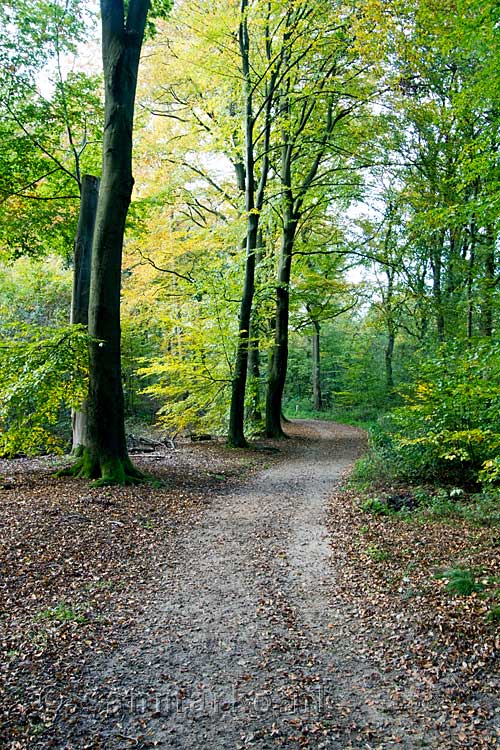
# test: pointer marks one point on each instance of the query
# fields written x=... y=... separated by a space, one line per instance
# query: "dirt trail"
x=241 y=646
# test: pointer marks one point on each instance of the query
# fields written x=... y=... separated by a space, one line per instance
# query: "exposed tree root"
x=276 y=435
x=237 y=443
x=104 y=472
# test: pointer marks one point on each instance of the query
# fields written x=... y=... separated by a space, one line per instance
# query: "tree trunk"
x=488 y=285
x=254 y=199
x=293 y=202
x=470 y=250
x=81 y=287
x=254 y=410
x=316 y=366
x=391 y=332
x=389 y=351
x=436 y=265
x=422 y=321
x=236 y=436
x=105 y=457
x=279 y=356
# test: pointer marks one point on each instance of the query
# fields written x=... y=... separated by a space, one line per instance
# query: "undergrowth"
x=430 y=503
x=385 y=499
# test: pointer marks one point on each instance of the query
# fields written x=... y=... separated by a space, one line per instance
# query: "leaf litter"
x=221 y=582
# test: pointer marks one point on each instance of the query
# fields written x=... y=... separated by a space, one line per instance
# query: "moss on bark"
x=236 y=441
x=104 y=471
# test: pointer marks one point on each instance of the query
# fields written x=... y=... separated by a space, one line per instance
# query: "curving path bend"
x=241 y=645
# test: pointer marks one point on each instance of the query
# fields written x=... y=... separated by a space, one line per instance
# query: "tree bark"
x=389 y=351
x=254 y=410
x=437 y=293
x=254 y=199
x=279 y=356
x=470 y=283
x=316 y=366
x=81 y=287
x=293 y=202
x=488 y=285
x=236 y=435
x=391 y=330
x=105 y=457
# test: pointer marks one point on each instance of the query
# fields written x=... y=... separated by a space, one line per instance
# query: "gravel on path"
x=241 y=644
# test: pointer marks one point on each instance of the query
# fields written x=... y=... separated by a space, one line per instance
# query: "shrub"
x=461 y=581
x=378 y=554
x=448 y=429
x=43 y=374
x=376 y=506
x=494 y=614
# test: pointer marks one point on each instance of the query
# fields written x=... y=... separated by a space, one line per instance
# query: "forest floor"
x=243 y=600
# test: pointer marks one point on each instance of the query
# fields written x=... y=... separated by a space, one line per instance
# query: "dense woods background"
x=313 y=226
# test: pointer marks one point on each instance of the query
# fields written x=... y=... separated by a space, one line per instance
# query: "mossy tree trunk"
x=81 y=287
x=105 y=455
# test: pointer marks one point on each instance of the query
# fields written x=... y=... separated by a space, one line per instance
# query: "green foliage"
x=449 y=427
x=188 y=375
x=352 y=376
x=160 y=9
x=490 y=473
x=139 y=345
x=191 y=381
x=62 y=613
x=34 y=293
x=428 y=504
x=482 y=509
x=33 y=31
x=461 y=581
x=42 y=371
x=372 y=468
x=440 y=506
x=378 y=554
x=376 y=507
x=494 y=614
x=49 y=132
x=429 y=246
x=41 y=165
x=43 y=360
x=363 y=473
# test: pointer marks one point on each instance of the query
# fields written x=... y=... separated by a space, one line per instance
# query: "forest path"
x=242 y=646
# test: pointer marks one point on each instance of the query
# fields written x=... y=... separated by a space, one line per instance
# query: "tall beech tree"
x=255 y=188
x=265 y=57
x=316 y=96
x=105 y=456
